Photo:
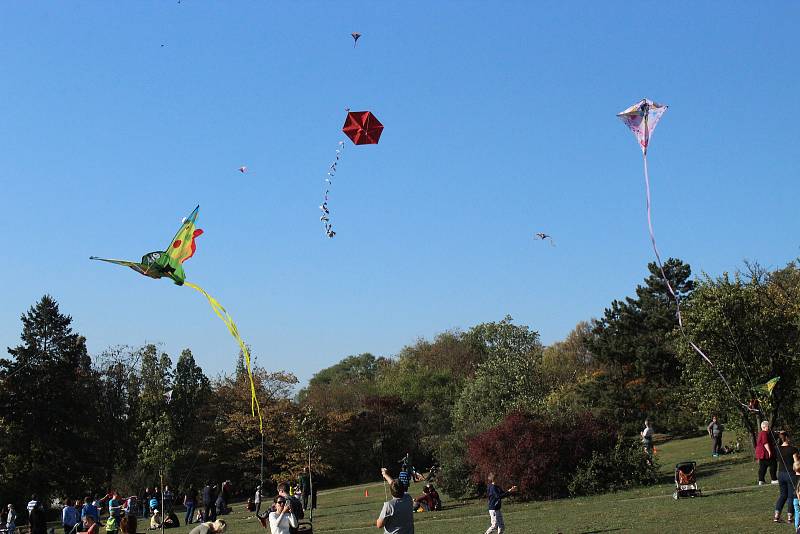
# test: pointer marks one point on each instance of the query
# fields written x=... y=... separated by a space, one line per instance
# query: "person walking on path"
x=397 y=514
x=787 y=455
x=715 y=433
x=496 y=496
x=766 y=455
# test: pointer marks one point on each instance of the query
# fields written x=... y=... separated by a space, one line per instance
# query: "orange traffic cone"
x=366 y=493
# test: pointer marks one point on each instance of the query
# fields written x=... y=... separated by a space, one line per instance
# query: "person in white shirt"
x=282 y=519
x=647 y=437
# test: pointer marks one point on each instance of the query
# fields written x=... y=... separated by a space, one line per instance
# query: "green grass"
x=732 y=503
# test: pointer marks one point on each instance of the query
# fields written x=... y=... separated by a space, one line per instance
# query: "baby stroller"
x=685 y=481
x=305 y=527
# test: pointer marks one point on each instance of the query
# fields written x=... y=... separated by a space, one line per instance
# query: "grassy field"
x=732 y=502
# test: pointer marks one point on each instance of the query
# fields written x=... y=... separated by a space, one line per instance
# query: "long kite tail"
x=673 y=292
x=228 y=320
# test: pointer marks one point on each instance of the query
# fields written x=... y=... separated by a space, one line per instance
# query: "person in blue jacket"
x=496 y=496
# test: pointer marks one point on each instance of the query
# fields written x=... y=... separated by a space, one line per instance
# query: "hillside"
x=732 y=502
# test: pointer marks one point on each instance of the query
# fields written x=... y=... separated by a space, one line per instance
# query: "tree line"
x=467 y=400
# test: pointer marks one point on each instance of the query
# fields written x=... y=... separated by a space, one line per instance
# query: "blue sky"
x=499 y=123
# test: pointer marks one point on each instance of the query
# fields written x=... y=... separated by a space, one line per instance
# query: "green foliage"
x=507 y=380
x=749 y=326
x=625 y=466
x=455 y=476
x=44 y=389
x=634 y=346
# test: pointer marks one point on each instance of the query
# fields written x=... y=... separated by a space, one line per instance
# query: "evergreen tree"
x=47 y=401
x=634 y=343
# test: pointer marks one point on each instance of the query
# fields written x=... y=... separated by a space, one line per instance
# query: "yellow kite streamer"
x=228 y=320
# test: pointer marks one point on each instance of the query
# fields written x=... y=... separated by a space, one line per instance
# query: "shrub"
x=622 y=467
x=455 y=477
x=539 y=454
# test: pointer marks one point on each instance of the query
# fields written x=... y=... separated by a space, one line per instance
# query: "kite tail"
x=326 y=214
x=672 y=291
x=234 y=331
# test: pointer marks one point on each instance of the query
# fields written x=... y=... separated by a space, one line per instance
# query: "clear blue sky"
x=500 y=122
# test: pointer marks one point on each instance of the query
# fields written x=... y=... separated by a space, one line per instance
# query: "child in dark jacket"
x=496 y=496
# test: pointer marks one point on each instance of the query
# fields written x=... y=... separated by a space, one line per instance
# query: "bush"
x=455 y=477
x=539 y=454
x=622 y=467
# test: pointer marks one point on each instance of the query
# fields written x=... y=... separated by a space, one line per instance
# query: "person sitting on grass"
x=171 y=521
x=496 y=496
x=210 y=527
x=429 y=500
x=397 y=515
x=155 y=520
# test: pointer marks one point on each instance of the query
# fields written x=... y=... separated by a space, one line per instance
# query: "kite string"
x=670 y=288
x=234 y=331
x=325 y=217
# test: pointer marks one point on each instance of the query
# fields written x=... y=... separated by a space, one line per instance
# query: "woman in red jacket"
x=765 y=453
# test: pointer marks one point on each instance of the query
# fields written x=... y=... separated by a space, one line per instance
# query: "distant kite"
x=363 y=128
x=242 y=169
x=169 y=264
x=543 y=237
x=355 y=36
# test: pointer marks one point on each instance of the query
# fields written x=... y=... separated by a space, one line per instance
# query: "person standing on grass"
x=282 y=520
x=397 y=515
x=305 y=486
x=189 y=501
x=209 y=510
x=787 y=455
x=496 y=496
x=257 y=500
x=715 y=433
x=796 y=495
x=766 y=455
x=647 y=437
x=294 y=503
x=37 y=520
x=69 y=517
x=11 y=519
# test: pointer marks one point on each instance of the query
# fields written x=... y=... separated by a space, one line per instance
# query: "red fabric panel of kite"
x=362 y=127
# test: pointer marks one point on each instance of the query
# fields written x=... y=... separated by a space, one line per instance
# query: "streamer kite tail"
x=234 y=331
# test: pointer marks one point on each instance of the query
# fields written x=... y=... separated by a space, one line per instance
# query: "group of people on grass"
x=781 y=458
x=80 y=516
x=397 y=514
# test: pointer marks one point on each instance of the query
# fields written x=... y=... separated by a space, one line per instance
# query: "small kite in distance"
x=542 y=236
x=355 y=36
x=242 y=169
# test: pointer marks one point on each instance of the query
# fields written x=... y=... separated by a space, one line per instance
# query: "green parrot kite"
x=167 y=263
